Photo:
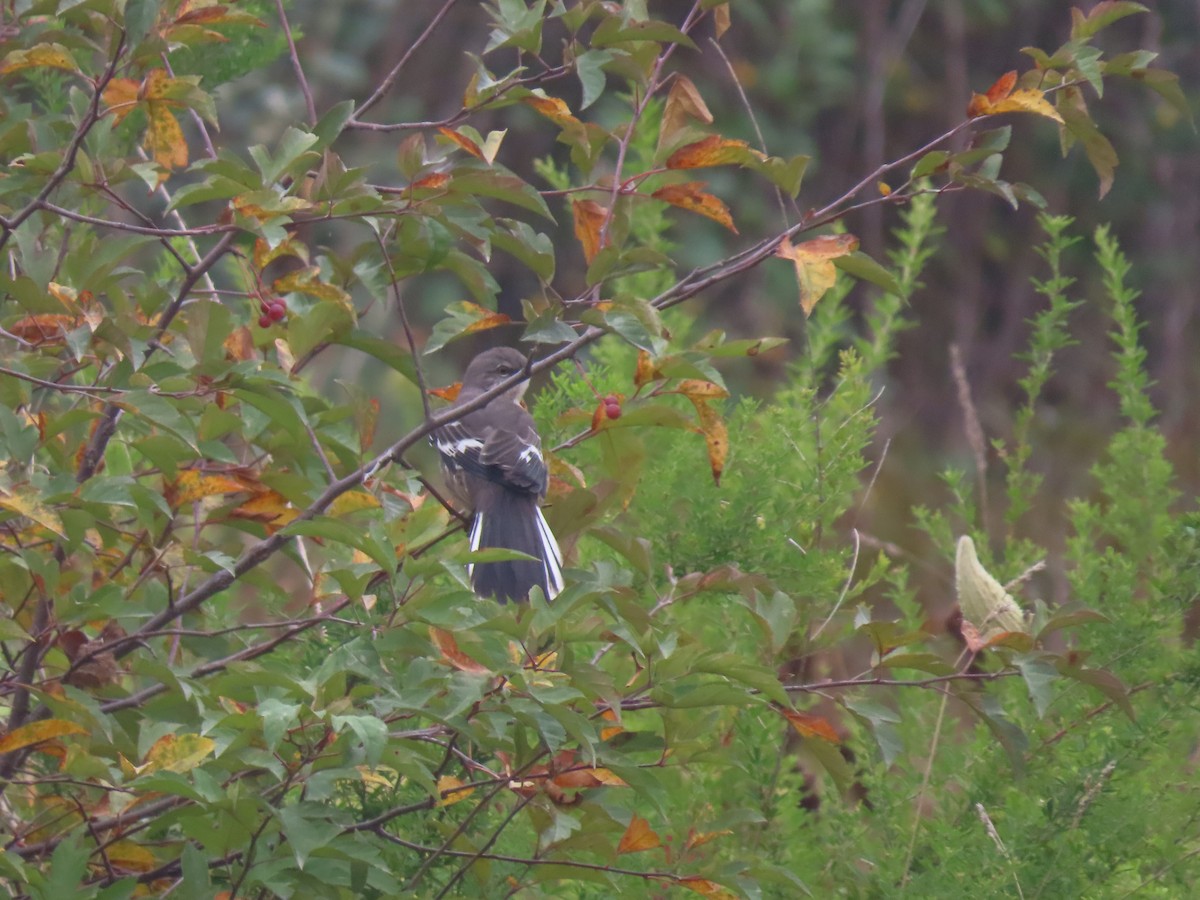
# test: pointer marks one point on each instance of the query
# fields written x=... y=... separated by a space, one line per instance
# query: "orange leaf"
x=448 y=647
x=121 y=96
x=690 y=196
x=553 y=109
x=812 y=726
x=588 y=778
x=610 y=730
x=707 y=888
x=431 y=182
x=638 y=836
x=589 y=220
x=713 y=150
x=462 y=141
x=451 y=790
x=36 y=732
x=698 y=839
x=813 y=259
x=1002 y=87
x=449 y=392
x=715 y=431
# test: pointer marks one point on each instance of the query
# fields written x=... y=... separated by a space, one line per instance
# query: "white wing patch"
x=454 y=449
x=551 y=556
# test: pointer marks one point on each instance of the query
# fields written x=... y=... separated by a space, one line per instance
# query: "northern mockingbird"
x=494 y=466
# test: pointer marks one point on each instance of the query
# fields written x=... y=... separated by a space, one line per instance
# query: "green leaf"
x=307 y=827
x=864 y=268
x=1039 y=672
x=882 y=721
x=929 y=163
x=613 y=31
x=389 y=353
x=499 y=184
x=1101 y=16
x=589 y=68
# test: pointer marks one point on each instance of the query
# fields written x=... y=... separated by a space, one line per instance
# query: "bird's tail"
x=513 y=521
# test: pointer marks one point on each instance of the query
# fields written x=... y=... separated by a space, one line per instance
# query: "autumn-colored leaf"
x=27 y=501
x=120 y=97
x=690 y=195
x=448 y=393
x=684 y=104
x=645 y=371
x=588 y=778
x=448 y=647
x=214 y=14
x=589 y=220
x=353 y=501
x=269 y=507
x=700 y=838
x=451 y=790
x=130 y=857
x=716 y=436
x=815 y=271
x=265 y=254
x=431 y=182
x=54 y=56
x=713 y=150
x=308 y=281
x=462 y=141
x=609 y=731
x=808 y=725
x=1001 y=98
x=706 y=888
x=638 y=836
x=553 y=109
x=196 y=484
x=36 y=732
x=45 y=328
x=177 y=753
x=705 y=390
x=721 y=21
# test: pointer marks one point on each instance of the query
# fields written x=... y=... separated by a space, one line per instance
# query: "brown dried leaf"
x=684 y=104
x=713 y=150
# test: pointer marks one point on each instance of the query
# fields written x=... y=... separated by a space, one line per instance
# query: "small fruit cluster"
x=612 y=406
x=272 y=311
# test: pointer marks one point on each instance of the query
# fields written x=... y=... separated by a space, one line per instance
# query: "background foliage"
x=241 y=655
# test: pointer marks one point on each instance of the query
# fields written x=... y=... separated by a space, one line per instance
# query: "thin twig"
x=309 y=105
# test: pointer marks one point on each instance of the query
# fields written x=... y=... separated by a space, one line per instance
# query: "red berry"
x=612 y=410
x=278 y=311
x=612 y=400
x=264 y=321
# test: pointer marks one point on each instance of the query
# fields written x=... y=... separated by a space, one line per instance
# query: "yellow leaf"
x=638 y=836
x=269 y=507
x=194 y=484
x=553 y=109
x=716 y=435
x=27 y=502
x=589 y=220
x=121 y=96
x=56 y=56
x=813 y=259
x=130 y=857
x=451 y=790
x=885 y=189
x=308 y=281
x=690 y=196
x=1028 y=100
x=353 y=501
x=178 y=753
x=36 y=732
x=808 y=725
x=706 y=390
x=610 y=730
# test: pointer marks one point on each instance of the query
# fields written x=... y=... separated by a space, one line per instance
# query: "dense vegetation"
x=241 y=657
